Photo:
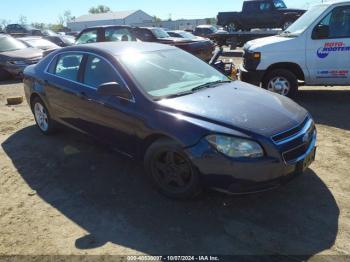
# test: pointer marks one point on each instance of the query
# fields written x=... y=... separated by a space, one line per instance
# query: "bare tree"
x=22 y=20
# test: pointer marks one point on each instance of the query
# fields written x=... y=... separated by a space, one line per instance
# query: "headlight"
x=18 y=62
x=236 y=147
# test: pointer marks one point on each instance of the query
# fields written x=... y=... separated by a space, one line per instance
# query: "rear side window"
x=67 y=66
x=88 y=37
x=265 y=6
x=98 y=71
x=118 y=34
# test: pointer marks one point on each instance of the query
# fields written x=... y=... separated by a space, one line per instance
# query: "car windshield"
x=300 y=25
x=279 y=4
x=206 y=30
x=10 y=44
x=159 y=33
x=186 y=35
x=49 y=33
x=169 y=73
x=29 y=27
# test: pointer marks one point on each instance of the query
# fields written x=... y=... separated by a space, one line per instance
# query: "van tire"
x=285 y=78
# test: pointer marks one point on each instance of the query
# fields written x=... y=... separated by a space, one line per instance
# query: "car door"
x=63 y=91
x=328 y=53
x=110 y=119
x=265 y=14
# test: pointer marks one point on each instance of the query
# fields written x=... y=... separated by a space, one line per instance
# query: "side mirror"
x=113 y=89
x=321 y=32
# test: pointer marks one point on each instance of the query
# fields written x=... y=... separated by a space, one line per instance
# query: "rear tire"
x=281 y=81
x=171 y=171
x=42 y=117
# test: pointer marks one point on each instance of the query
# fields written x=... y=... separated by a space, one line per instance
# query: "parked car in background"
x=106 y=34
x=207 y=30
x=213 y=132
x=314 y=51
x=38 y=42
x=60 y=40
x=201 y=49
x=15 y=56
x=204 y=30
x=259 y=14
x=185 y=35
x=22 y=30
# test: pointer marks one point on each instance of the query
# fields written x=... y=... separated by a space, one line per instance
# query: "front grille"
x=249 y=62
x=282 y=136
x=295 y=153
x=33 y=61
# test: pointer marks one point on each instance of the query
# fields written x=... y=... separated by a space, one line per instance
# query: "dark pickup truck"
x=259 y=14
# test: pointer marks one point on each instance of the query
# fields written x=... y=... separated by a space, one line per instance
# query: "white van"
x=315 y=50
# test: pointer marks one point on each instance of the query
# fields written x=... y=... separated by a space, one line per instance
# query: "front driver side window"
x=68 y=66
x=338 y=22
x=87 y=37
x=98 y=71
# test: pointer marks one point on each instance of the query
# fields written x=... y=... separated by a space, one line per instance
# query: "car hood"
x=175 y=40
x=26 y=53
x=278 y=42
x=240 y=106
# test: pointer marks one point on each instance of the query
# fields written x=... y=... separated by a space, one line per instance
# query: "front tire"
x=42 y=117
x=287 y=24
x=4 y=75
x=281 y=81
x=171 y=171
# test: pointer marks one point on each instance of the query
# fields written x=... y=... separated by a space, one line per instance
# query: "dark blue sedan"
x=189 y=123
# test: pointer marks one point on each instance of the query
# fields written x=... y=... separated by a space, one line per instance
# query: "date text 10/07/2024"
x=173 y=258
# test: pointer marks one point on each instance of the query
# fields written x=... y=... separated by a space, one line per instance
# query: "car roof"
x=120 y=48
x=176 y=31
x=106 y=26
x=205 y=26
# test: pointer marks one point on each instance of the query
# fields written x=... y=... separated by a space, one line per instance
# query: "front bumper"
x=15 y=70
x=253 y=77
x=242 y=176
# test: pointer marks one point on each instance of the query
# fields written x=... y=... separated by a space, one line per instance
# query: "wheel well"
x=295 y=68
x=32 y=97
x=148 y=141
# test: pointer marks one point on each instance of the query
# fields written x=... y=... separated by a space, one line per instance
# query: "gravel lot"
x=66 y=194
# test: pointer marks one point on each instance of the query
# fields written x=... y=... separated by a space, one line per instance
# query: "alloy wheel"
x=41 y=116
x=172 y=171
x=279 y=85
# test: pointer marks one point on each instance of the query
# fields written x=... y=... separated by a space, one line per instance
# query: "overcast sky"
x=48 y=11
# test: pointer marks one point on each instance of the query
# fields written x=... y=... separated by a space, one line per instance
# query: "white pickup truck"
x=315 y=50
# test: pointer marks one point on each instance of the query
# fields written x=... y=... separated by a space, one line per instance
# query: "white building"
x=181 y=24
x=133 y=18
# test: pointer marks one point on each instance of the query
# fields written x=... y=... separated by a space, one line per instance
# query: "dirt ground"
x=66 y=194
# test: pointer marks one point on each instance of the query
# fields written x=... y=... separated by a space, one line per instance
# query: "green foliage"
x=56 y=27
x=99 y=9
x=157 y=19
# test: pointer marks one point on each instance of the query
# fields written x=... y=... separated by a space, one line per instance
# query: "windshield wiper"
x=193 y=90
x=210 y=84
